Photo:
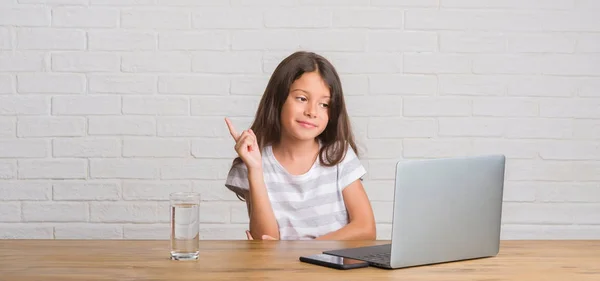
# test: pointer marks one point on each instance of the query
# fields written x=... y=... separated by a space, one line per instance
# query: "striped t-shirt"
x=306 y=206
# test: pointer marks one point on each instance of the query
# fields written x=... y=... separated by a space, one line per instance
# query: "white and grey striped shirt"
x=306 y=206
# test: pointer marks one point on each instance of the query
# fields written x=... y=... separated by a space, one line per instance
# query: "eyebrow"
x=325 y=97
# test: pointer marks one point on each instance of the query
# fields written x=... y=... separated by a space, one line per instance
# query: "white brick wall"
x=107 y=106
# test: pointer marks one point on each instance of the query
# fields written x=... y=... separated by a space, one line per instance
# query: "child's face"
x=305 y=112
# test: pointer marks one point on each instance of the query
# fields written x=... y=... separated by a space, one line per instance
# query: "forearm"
x=262 y=218
x=353 y=231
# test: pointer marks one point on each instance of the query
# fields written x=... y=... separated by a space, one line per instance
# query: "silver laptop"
x=444 y=210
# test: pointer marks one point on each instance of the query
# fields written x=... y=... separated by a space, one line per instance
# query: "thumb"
x=267 y=237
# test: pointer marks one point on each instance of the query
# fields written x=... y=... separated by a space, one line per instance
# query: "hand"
x=246 y=146
x=264 y=237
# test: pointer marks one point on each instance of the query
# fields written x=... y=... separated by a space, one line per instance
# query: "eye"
x=301 y=98
x=325 y=105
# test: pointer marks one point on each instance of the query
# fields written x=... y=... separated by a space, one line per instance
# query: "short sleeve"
x=237 y=180
x=350 y=169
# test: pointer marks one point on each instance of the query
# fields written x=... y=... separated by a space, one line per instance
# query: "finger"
x=267 y=237
x=248 y=235
x=242 y=138
x=244 y=143
x=232 y=130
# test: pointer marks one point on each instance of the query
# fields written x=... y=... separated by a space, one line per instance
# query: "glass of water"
x=185 y=228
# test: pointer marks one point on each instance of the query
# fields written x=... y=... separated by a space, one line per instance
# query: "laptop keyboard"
x=381 y=258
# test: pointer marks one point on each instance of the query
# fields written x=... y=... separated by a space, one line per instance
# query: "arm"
x=262 y=218
x=362 y=220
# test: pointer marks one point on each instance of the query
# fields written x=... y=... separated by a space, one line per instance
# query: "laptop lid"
x=447 y=209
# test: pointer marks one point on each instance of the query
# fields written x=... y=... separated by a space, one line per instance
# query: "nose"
x=310 y=110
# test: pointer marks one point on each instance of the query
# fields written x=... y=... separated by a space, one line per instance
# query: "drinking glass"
x=185 y=232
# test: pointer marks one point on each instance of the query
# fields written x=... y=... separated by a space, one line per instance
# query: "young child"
x=298 y=169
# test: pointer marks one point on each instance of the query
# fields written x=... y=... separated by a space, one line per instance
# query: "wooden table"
x=25 y=260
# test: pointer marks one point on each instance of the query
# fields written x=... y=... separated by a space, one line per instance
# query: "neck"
x=296 y=149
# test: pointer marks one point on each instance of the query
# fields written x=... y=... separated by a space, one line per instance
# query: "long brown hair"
x=267 y=124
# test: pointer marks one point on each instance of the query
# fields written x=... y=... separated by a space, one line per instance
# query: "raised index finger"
x=232 y=131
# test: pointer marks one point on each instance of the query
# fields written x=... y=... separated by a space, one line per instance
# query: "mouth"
x=307 y=124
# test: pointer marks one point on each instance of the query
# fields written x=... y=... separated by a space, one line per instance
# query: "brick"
x=124 y=126
x=239 y=213
x=539 y=128
x=508 y=64
x=564 y=108
x=376 y=106
x=541 y=43
x=83 y=17
x=213 y=190
x=91 y=190
x=509 y=4
x=327 y=40
x=8 y=127
x=398 y=84
x=193 y=84
x=25 y=190
x=586 y=129
x=10 y=211
x=589 y=88
x=472 y=85
x=219 y=62
x=401 y=41
x=519 y=191
x=21 y=61
x=193 y=40
x=562 y=192
x=8 y=169
x=124 y=169
x=547 y=170
x=473 y=127
x=138 y=84
x=573 y=65
x=86 y=147
x=298 y=18
x=24 y=105
x=272 y=59
x=569 y=21
x=354 y=84
x=505 y=107
x=191 y=127
x=384 y=148
x=7 y=84
x=51 y=83
x=549 y=232
x=586 y=170
x=88 y=231
x=6 y=41
x=147 y=231
x=85 y=62
x=215 y=212
x=208 y=169
x=156 y=62
x=26 y=231
x=156 y=105
x=137 y=147
x=123 y=212
x=379 y=190
x=55 y=212
x=214 y=148
x=335 y=3
x=472 y=42
x=588 y=43
x=551 y=213
x=262 y=3
x=50 y=39
x=246 y=40
x=542 y=86
x=223 y=231
x=86 y=105
x=192 y=3
x=53 y=169
x=250 y=85
x=54 y=2
x=122 y=2
x=587 y=4
x=471 y=20
x=366 y=63
x=227 y=18
x=383 y=211
x=23 y=148
x=50 y=126
x=34 y=16
x=156 y=19
x=420 y=107
x=228 y=106
x=153 y=190
x=516 y=149
x=436 y=63
x=121 y=40
x=368 y=18
x=405 y=3
x=384 y=231
x=401 y=128
x=436 y=148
